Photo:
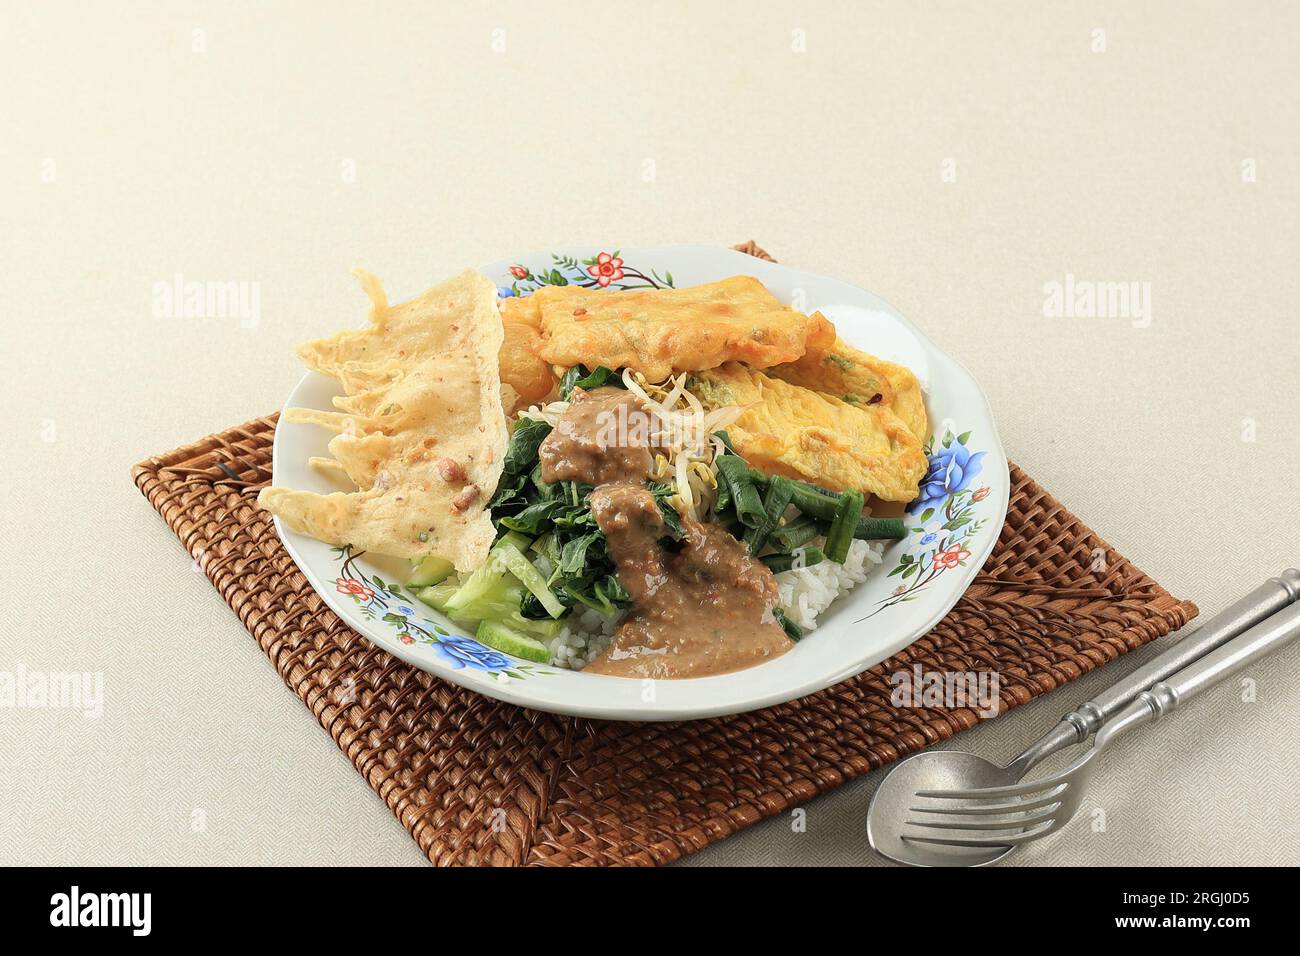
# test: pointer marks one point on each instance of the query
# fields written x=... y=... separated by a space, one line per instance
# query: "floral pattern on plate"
x=945 y=518
x=601 y=270
x=377 y=599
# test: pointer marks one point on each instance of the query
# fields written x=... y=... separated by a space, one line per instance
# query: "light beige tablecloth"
x=954 y=158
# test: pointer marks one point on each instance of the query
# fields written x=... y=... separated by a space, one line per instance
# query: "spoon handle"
x=1079 y=724
x=1215 y=667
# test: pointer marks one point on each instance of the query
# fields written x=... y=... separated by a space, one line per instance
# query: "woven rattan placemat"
x=477 y=781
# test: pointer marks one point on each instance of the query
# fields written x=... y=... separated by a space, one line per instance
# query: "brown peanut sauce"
x=704 y=609
x=587 y=444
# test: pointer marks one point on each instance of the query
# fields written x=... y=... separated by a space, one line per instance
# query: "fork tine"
x=1000 y=824
x=1053 y=799
x=1014 y=839
x=1056 y=784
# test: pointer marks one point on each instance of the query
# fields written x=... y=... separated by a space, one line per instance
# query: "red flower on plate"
x=353 y=587
x=519 y=272
x=981 y=494
x=406 y=638
x=950 y=558
x=606 y=269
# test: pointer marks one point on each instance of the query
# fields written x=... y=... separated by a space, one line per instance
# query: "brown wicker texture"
x=480 y=782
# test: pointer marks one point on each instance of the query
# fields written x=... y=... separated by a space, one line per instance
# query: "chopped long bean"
x=803 y=558
x=792 y=630
x=840 y=536
x=817 y=502
x=874 y=529
x=775 y=501
x=723 y=498
x=744 y=496
x=808 y=498
x=797 y=532
x=812 y=502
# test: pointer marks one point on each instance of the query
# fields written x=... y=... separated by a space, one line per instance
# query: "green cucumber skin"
x=523 y=569
x=432 y=570
x=436 y=596
x=509 y=641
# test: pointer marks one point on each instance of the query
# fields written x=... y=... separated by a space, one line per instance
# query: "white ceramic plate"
x=955 y=523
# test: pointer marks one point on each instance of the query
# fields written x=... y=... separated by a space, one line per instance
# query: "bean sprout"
x=685 y=441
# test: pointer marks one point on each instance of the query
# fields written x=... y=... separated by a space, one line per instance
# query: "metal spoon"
x=1031 y=811
x=955 y=770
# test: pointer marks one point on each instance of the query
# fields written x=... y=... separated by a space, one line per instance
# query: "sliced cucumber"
x=509 y=641
x=437 y=595
x=529 y=577
x=542 y=629
x=431 y=570
x=503 y=609
x=478 y=585
x=518 y=539
x=500 y=602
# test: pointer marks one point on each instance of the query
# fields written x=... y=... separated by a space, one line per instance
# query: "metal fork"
x=1013 y=815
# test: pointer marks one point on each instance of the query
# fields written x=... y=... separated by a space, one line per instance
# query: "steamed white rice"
x=582 y=638
x=805 y=593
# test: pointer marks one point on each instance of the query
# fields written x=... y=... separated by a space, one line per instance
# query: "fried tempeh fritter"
x=658 y=331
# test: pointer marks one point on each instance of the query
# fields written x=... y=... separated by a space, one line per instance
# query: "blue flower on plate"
x=951 y=470
x=505 y=292
x=461 y=652
x=403 y=609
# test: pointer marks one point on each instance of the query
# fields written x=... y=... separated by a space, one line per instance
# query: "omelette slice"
x=800 y=433
x=421 y=430
x=860 y=379
x=657 y=331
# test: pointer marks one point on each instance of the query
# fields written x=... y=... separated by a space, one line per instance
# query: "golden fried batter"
x=530 y=375
x=801 y=433
x=660 y=330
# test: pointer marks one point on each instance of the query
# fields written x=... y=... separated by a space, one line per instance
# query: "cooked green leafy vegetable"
x=672 y=520
x=663 y=490
x=533 y=518
x=579 y=377
x=520 y=467
x=521 y=453
x=559 y=516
